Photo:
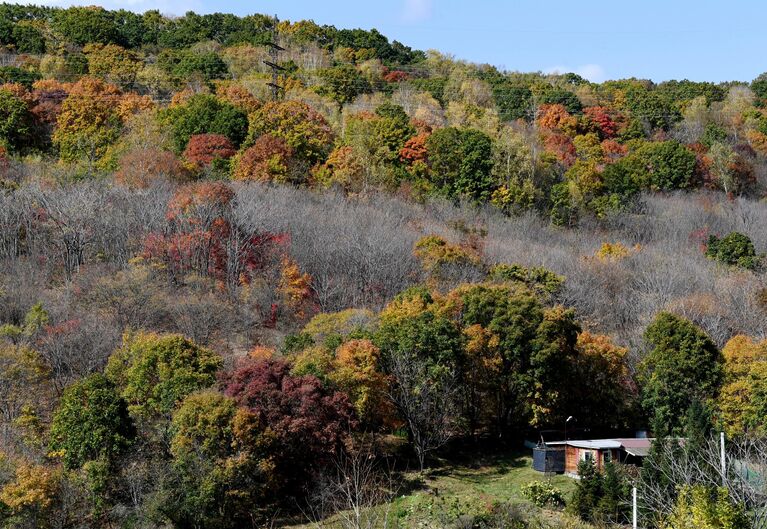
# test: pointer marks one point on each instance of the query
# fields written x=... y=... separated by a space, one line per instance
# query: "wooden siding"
x=573 y=457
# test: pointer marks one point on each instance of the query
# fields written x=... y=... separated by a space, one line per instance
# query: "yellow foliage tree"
x=355 y=371
x=701 y=507
x=743 y=399
x=614 y=251
x=340 y=323
x=88 y=122
x=438 y=256
x=113 y=63
x=484 y=365
x=33 y=488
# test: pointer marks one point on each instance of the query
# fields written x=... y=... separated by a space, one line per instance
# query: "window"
x=607 y=457
x=587 y=455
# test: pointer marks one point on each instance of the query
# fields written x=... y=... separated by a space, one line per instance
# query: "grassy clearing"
x=471 y=487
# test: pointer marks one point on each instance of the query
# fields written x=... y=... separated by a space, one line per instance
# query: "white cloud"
x=592 y=72
x=416 y=10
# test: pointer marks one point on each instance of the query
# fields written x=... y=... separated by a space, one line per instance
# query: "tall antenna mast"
x=274 y=53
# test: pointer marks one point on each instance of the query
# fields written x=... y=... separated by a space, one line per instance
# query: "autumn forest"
x=259 y=273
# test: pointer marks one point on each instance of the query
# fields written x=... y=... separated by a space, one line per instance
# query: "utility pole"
x=274 y=53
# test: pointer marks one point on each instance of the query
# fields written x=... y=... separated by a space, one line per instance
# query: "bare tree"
x=427 y=402
x=69 y=214
x=677 y=464
x=355 y=494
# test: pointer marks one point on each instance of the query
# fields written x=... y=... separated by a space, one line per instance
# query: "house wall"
x=614 y=456
x=573 y=458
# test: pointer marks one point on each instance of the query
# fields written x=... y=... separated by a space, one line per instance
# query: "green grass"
x=449 y=490
x=470 y=488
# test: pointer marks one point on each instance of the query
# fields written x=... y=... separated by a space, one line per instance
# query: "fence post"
x=634 y=502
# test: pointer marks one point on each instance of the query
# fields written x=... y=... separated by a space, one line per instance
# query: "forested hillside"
x=244 y=264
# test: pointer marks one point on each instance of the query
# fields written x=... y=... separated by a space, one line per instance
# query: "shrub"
x=543 y=494
x=734 y=249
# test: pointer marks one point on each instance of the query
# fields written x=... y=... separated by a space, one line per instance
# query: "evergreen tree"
x=613 y=505
x=588 y=491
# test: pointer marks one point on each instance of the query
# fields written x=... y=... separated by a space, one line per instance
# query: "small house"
x=600 y=451
x=565 y=456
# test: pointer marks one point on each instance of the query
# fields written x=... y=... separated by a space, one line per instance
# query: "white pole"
x=634 y=496
x=724 y=460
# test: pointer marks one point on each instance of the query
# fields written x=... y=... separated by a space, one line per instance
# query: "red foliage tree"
x=310 y=421
x=202 y=238
x=561 y=146
x=202 y=149
x=613 y=150
x=600 y=120
x=702 y=165
x=396 y=76
x=48 y=95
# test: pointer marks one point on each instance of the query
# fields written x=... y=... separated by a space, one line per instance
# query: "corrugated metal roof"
x=631 y=442
x=637 y=451
x=600 y=444
x=639 y=447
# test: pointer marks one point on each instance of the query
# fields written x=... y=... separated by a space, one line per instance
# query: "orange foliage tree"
x=296 y=288
x=238 y=96
x=356 y=373
x=88 y=121
x=268 y=160
x=342 y=167
x=556 y=118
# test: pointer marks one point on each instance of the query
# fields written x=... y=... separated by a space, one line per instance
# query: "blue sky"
x=713 y=40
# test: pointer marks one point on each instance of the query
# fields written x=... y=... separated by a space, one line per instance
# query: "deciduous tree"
x=91 y=422
x=155 y=372
x=204 y=149
x=460 y=162
x=683 y=365
x=269 y=159
x=303 y=128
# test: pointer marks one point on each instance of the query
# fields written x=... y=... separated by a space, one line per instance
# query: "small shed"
x=549 y=458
